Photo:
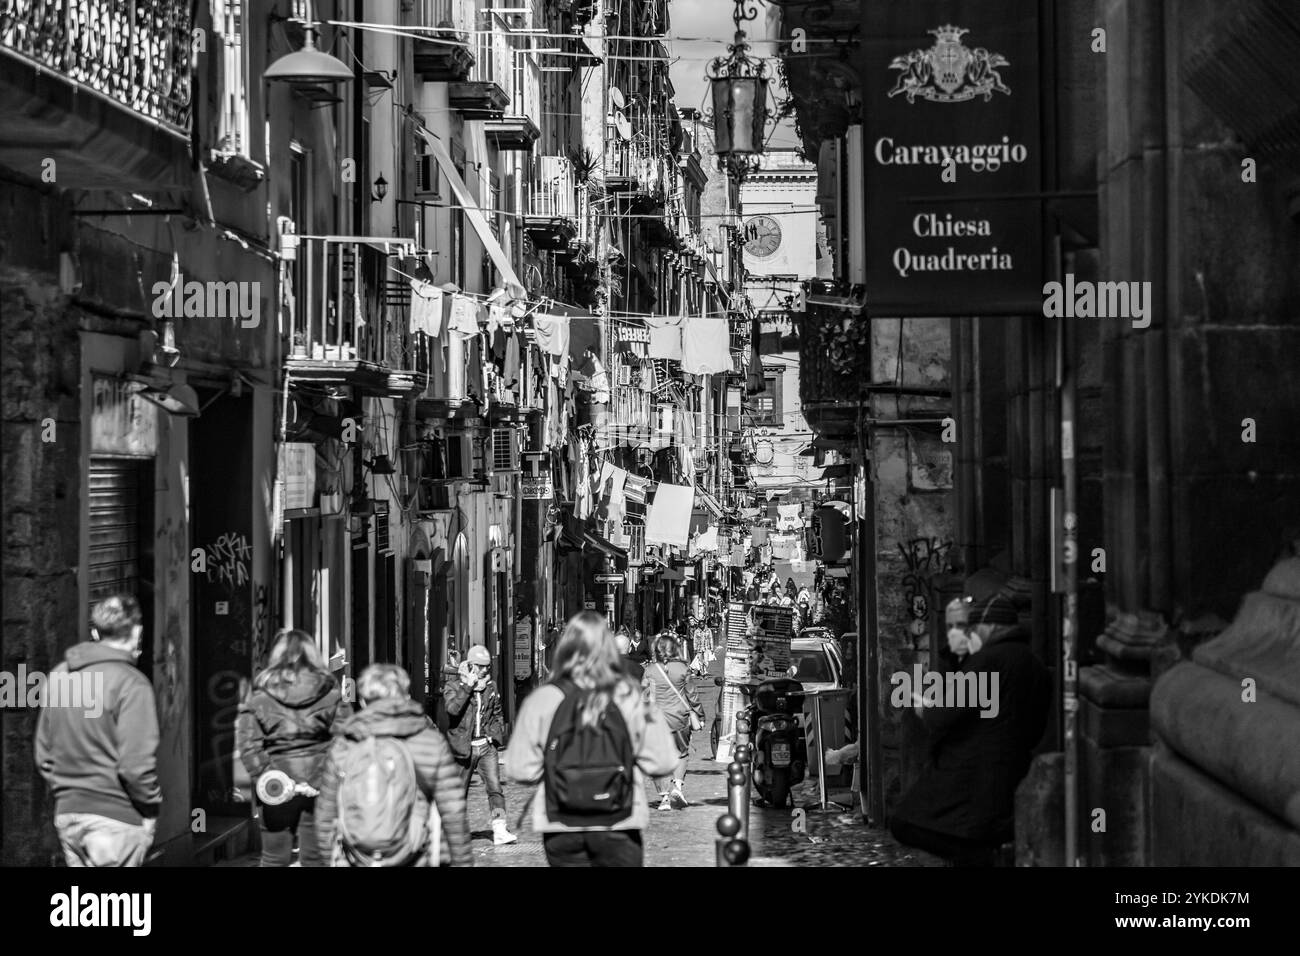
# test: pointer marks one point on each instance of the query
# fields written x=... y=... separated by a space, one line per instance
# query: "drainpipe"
x=868 y=638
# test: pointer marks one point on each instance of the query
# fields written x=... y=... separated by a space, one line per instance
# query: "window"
x=767 y=403
x=232 y=118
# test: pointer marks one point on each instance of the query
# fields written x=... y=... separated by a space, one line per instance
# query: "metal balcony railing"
x=135 y=53
x=456 y=17
x=553 y=194
x=525 y=87
x=348 y=305
x=493 y=55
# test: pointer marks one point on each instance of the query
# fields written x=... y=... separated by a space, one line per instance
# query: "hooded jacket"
x=435 y=769
x=288 y=722
x=968 y=788
x=102 y=758
x=463 y=708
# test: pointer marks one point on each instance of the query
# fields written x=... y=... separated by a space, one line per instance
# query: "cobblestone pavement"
x=686 y=837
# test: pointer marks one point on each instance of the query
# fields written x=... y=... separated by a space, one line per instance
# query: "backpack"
x=382 y=813
x=588 y=771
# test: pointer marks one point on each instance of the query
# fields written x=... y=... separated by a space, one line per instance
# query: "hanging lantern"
x=739 y=88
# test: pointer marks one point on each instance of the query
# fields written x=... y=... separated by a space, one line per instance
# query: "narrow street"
x=686 y=837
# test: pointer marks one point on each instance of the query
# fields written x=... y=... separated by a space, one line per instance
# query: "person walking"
x=631 y=666
x=638 y=649
x=99 y=756
x=671 y=690
x=286 y=725
x=590 y=740
x=374 y=811
x=475 y=728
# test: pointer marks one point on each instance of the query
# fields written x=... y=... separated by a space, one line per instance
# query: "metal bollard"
x=732 y=847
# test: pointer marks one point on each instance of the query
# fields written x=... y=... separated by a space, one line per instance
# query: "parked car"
x=816 y=662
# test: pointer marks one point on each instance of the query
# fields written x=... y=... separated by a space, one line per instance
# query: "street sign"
x=950 y=139
x=536 y=487
x=609 y=579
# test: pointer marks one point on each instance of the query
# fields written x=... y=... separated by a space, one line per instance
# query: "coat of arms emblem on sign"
x=949 y=72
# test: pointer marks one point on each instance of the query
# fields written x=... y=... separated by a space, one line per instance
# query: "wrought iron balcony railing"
x=350 y=315
x=134 y=52
x=493 y=55
x=553 y=194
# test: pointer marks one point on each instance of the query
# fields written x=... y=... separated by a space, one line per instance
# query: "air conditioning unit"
x=505 y=450
x=623 y=374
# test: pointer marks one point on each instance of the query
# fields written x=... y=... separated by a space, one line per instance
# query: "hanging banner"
x=950 y=139
x=758 y=649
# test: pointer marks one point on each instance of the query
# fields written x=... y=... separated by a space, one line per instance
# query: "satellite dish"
x=623 y=126
x=616 y=98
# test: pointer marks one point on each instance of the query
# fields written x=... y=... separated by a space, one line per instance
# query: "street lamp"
x=739 y=87
x=308 y=66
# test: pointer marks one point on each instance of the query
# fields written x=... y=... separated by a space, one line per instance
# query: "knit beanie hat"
x=994 y=609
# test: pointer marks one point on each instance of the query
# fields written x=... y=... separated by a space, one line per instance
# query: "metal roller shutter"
x=114 y=554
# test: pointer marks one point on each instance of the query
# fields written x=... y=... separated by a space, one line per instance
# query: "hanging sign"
x=758 y=649
x=536 y=487
x=950 y=139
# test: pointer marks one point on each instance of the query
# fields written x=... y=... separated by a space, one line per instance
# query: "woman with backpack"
x=671 y=690
x=590 y=740
x=286 y=725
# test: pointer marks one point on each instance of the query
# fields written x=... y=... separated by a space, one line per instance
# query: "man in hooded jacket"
x=962 y=807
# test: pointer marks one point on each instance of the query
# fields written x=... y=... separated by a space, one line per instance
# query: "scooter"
x=780 y=750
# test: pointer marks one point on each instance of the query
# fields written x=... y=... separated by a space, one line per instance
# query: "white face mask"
x=962 y=641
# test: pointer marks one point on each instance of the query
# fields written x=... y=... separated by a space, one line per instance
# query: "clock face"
x=762 y=236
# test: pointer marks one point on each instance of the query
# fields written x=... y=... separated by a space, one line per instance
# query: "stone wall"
x=39 y=389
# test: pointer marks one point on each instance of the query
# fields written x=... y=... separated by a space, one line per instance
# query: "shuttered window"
x=114 y=555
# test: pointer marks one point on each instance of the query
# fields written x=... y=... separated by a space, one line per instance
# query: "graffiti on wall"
x=228 y=560
x=261 y=616
x=922 y=557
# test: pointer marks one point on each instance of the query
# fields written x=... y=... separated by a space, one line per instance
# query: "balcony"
x=349 y=319
x=485 y=94
x=100 y=87
x=445 y=55
x=521 y=125
x=551 y=219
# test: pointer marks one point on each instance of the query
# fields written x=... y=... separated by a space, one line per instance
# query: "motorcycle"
x=780 y=751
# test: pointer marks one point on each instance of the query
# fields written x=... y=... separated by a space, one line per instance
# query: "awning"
x=578 y=537
x=848 y=303
x=474 y=215
x=707 y=502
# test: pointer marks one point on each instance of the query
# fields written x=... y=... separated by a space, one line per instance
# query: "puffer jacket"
x=435 y=769
x=287 y=724
x=664 y=694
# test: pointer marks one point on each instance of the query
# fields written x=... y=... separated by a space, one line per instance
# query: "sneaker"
x=667 y=802
x=500 y=835
x=678 y=798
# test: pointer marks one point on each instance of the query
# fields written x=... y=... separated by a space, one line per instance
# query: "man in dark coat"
x=962 y=807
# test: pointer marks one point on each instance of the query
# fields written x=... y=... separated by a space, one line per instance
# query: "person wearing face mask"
x=962 y=807
x=100 y=757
